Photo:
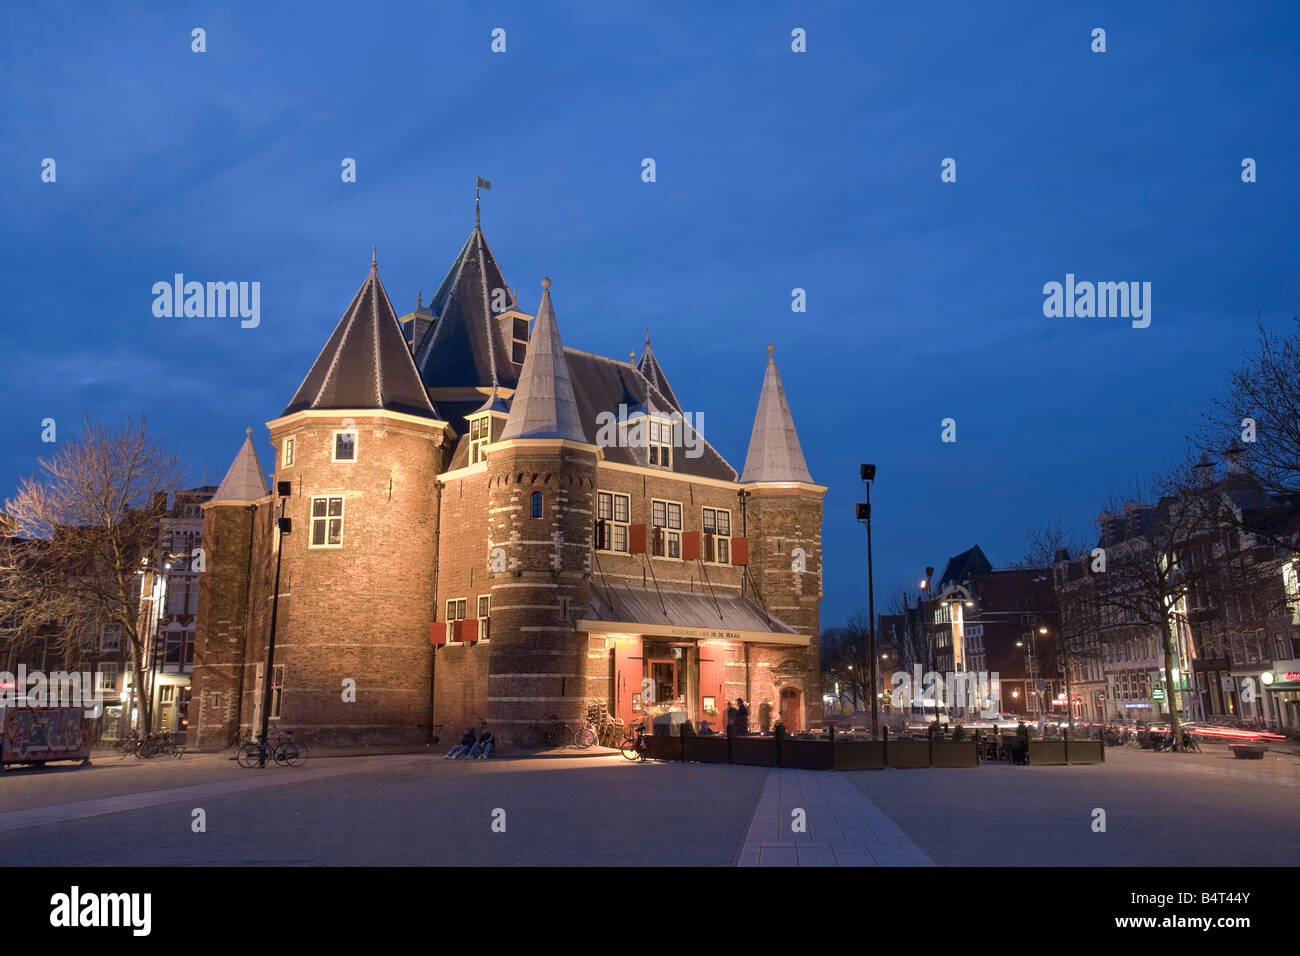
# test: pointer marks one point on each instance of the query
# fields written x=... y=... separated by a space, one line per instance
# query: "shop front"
x=669 y=658
x=1282 y=690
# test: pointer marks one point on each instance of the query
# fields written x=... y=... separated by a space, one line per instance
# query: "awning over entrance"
x=686 y=614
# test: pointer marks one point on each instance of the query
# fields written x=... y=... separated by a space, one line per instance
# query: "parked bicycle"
x=283 y=751
x=128 y=745
x=634 y=747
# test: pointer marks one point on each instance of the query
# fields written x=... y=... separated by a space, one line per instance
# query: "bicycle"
x=1190 y=745
x=128 y=745
x=586 y=736
x=284 y=751
x=634 y=747
x=157 y=744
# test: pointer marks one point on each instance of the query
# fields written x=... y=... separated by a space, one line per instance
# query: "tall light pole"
x=868 y=475
x=283 y=490
x=931 y=646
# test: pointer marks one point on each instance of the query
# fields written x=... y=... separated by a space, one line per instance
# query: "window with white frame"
x=666 y=518
x=326 y=522
x=615 y=511
x=110 y=637
x=717 y=522
x=660 y=443
x=107 y=679
x=288 y=453
x=345 y=445
x=484 y=612
x=277 y=690
x=480 y=434
x=456 y=608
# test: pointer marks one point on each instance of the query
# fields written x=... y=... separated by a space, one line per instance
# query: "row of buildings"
x=166 y=594
x=1081 y=635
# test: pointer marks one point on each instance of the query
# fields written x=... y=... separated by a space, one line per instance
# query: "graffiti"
x=29 y=733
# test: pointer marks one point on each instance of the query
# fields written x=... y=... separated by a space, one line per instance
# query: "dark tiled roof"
x=467 y=347
x=365 y=363
x=649 y=366
x=965 y=566
x=602 y=384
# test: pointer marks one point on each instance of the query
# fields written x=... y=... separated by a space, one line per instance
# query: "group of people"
x=473 y=745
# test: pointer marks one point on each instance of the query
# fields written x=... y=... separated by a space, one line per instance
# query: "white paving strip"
x=841 y=827
x=251 y=779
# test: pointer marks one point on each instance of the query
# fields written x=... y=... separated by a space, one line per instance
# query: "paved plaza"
x=602 y=810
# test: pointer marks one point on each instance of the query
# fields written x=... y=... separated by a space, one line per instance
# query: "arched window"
x=537 y=504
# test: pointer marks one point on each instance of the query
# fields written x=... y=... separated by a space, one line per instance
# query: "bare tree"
x=81 y=532
x=1261 y=411
x=1177 y=557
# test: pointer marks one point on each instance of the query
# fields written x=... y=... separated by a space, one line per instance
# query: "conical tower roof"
x=649 y=366
x=774 y=450
x=365 y=363
x=466 y=348
x=544 y=405
x=245 y=480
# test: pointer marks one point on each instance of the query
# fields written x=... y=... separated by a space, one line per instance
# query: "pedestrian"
x=731 y=719
x=742 y=717
x=463 y=748
x=484 y=745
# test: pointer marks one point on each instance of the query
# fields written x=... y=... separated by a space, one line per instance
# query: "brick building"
x=485 y=524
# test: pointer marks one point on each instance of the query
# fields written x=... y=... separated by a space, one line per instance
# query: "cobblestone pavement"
x=417 y=809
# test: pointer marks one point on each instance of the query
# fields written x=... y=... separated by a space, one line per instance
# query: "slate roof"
x=365 y=363
x=467 y=345
x=649 y=366
x=633 y=605
x=245 y=480
x=602 y=384
x=544 y=406
x=774 y=450
x=964 y=566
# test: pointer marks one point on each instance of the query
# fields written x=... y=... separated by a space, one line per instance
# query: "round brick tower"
x=358 y=449
x=541 y=480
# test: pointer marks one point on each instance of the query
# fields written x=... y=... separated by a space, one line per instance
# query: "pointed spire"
x=374 y=258
x=365 y=363
x=654 y=374
x=244 y=480
x=468 y=348
x=774 y=451
x=544 y=405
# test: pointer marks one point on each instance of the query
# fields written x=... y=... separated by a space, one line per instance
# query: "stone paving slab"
x=842 y=827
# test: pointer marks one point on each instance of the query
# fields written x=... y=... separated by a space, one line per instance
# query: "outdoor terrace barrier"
x=844 y=752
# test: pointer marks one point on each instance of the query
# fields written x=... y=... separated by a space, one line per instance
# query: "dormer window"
x=660 y=443
x=519 y=340
x=480 y=436
x=345 y=445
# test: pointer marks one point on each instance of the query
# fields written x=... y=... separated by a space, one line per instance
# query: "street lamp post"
x=868 y=475
x=932 y=646
x=283 y=525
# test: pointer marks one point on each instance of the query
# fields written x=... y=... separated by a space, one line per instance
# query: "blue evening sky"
x=775 y=170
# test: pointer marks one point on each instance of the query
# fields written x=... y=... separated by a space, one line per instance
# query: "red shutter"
x=739 y=551
x=690 y=546
x=438 y=633
x=708 y=548
x=468 y=630
x=636 y=539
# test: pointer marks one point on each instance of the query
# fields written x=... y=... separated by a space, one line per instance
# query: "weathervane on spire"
x=480 y=183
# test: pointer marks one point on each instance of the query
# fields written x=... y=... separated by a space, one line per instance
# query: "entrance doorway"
x=790 y=709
